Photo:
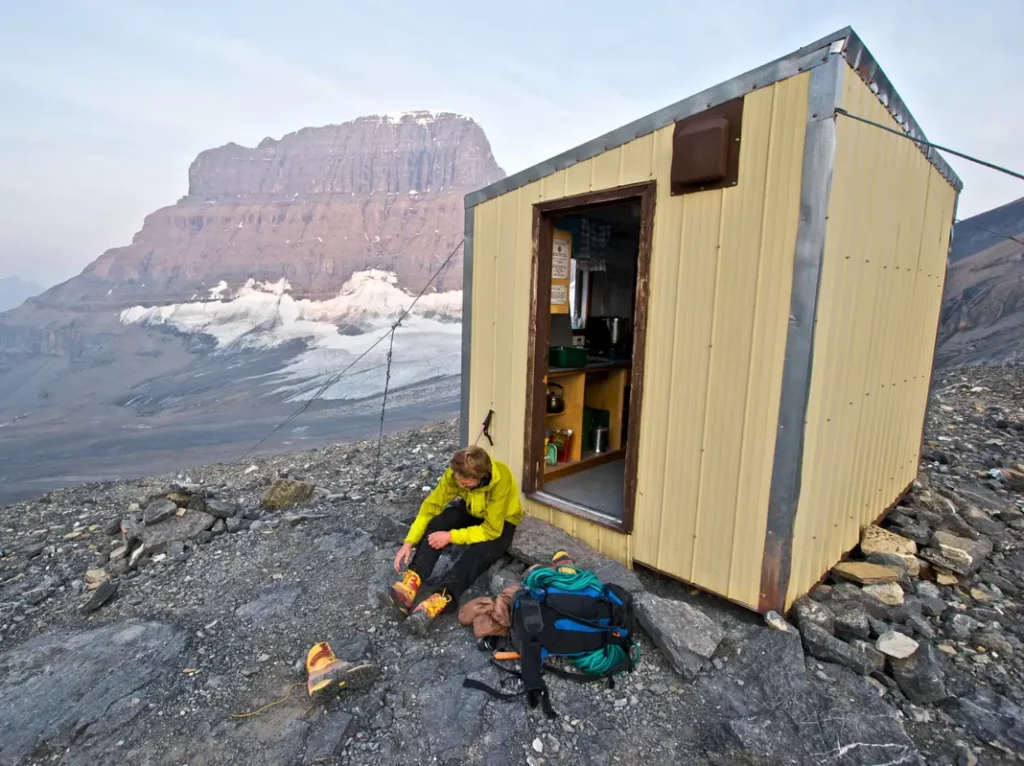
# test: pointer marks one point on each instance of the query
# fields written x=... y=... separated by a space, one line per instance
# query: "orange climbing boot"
x=402 y=594
x=426 y=611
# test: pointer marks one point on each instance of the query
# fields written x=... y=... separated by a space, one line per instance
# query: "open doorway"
x=586 y=366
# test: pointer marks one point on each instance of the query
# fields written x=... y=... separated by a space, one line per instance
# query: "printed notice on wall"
x=559 y=295
x=560 y=259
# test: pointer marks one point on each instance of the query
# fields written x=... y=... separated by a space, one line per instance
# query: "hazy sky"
x=104 y=104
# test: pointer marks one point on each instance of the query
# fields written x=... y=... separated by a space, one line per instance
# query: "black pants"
x=475 y=559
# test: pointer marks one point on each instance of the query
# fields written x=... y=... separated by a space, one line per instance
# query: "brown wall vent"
x=706 y=149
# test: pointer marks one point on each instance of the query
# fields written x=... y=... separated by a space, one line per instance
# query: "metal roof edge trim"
x=855 y=53
x=799 y=61
x=868 y=70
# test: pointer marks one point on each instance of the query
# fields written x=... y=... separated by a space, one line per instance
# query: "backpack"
x=565 y=612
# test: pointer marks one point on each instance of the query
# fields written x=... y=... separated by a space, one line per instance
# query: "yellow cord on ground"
x=267 y=707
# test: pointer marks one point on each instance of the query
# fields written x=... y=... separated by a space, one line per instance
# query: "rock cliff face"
x=313 y=207
x=983 y=307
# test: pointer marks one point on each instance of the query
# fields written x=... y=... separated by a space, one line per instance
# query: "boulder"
x=851 y=621
x=921 y=626
x=94 y=577
x=286 y=493
x=808 y=611
x=155 y=539
x=158 y=510
x=819 y=643
x=875 y=539
x=926 y=589
x=888 y=593
x=990 y=717
x=327 y=737
x=920 y=676
x=685 y=635
x=909 y=564
x=274 y=602
x=896 y=645
x=920 y=533
x=101 y=596
x=220 y=509
x=876 y=657
x=865 y=573
x=773 y=711
x=66 y=687
x=933 y=607
x=957 y=554
x=961 y=626
x=984 y=523
x=345 y=544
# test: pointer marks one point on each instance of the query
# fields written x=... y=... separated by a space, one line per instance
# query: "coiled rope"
x=600 y=661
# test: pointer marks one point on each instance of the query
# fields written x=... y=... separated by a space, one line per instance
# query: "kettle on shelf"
x=555 y=401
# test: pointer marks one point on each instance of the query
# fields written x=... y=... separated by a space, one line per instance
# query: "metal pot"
x=555 y=402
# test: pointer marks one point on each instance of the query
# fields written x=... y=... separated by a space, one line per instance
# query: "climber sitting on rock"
x=476 y=505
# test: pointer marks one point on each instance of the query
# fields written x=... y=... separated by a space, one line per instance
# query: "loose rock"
x=957 y=554
x=158 y=510
x=286 y=493
x=865 y=573
x=920 y=676
x=808 y=611
x=326 y=737
x=824 y=646
x=888 y=593
x=220 y=509
x=101 y=596
x=990 y=717
x=851 y=621
x=685 y=634
x=893 y=644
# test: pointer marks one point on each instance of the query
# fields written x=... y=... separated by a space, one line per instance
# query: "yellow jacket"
x=495 y=503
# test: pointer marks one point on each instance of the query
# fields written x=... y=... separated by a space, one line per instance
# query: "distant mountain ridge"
x=986 y=229
x=15 y=290
x=982 y=319
x=380 y=192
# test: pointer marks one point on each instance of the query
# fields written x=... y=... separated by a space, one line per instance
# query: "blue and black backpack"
x=569 y=613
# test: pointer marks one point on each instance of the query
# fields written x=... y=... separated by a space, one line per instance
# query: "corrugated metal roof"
x=844 y=42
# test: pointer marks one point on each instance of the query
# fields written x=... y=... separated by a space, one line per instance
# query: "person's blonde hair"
x=471 y=462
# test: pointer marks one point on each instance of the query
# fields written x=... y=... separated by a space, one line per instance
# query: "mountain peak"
x=419 y=151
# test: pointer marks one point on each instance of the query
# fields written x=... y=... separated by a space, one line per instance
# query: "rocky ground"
x=137 y=618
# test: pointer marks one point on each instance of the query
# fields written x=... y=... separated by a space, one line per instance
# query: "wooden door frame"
x=539 y=338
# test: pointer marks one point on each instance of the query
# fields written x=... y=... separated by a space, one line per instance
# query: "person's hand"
x=403 y=557
x=438 y=540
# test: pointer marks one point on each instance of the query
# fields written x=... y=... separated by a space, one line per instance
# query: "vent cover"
x=706 y=149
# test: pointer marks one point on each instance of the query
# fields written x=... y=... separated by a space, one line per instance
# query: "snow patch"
x=263 y=315
x=422 y=116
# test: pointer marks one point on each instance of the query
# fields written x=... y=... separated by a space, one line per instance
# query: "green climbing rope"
x=600 y=661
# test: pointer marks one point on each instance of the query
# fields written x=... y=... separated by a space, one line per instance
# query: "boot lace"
x=411 y=580
x=436 y=603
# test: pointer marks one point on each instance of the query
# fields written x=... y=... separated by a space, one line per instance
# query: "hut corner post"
x=467 y=327
x=816 y=182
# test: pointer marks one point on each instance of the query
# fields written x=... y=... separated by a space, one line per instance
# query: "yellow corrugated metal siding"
x=890 y=213
x=721 y=271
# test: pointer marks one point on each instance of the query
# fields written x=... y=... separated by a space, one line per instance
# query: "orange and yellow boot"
x=426 y=611
x=402 y=594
